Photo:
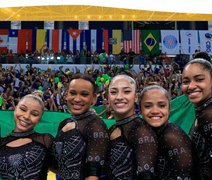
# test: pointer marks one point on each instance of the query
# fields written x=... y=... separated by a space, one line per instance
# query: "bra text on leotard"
x=176 y=151
x=100 y=135
x=146 y=139
x=208 y=127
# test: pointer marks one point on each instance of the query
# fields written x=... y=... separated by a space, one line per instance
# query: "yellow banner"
x=40 y=38
x=117 y=36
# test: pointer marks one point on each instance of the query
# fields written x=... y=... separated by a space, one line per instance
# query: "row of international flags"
x=112 y=41
x=71 y=39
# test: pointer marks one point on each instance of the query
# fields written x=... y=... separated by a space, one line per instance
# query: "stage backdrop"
x=182 y=113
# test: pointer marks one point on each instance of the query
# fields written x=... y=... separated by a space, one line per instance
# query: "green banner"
x=48 y=124
x=150 y=41
x=182 y=113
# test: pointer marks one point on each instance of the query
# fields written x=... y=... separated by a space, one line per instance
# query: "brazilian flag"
x=150 y=41
x=182 y=114
x=48 y=124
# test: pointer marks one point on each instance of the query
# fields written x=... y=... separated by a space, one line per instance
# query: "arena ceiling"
x=99 y=10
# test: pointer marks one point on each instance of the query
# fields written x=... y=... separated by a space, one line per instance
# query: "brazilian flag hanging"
x=182 y=114
x=150 y=41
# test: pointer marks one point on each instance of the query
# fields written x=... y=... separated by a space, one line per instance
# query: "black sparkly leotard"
x=175 y=158
x=25 y=162
x=81 y=152
x=133 y=154
x=201 y=136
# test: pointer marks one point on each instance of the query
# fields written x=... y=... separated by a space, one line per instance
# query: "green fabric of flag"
x=150 y=41
x=182 y=113
x=48 y=124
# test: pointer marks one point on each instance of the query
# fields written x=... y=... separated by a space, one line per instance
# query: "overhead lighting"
x=150 y=5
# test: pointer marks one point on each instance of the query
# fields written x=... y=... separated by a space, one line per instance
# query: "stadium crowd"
x=15 y=82
x=158 y=80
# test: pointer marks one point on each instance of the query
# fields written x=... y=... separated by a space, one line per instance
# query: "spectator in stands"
x=77 y=58
x=8 y=99
x=197 y=86
x=3 y=57
x=142 y=58
x=69 y=58
x=133 y=143
x=131 y=55
x=103 y=57
x=88 y=57
x=111 y=58
x=95 y=58
x=24 y=153
x=123 y=56
x=10 y=57
x=24 y=80
x=80 y=147
x=174 y=159
x=61 y=59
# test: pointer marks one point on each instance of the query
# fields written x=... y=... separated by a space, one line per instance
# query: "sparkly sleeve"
x=205 y=127
x=202 y=139
x=145 y=144
x=177 y=148
x=97 y=146
x=46 y=140
x=51 y=162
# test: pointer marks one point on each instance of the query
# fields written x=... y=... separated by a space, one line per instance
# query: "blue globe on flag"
x=150 y=41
